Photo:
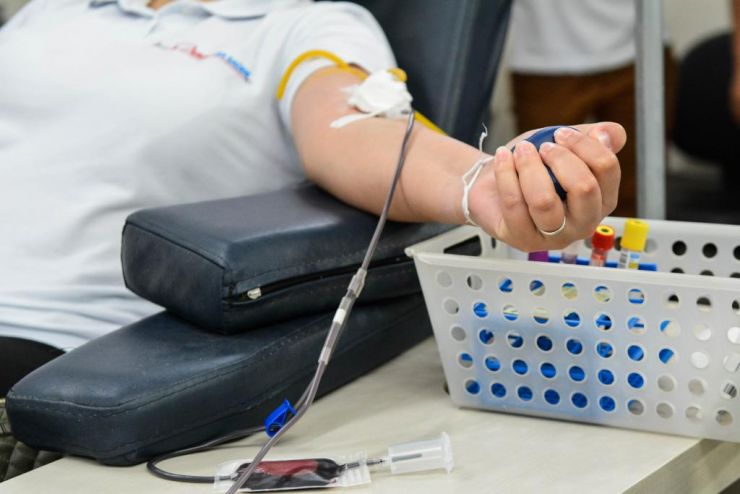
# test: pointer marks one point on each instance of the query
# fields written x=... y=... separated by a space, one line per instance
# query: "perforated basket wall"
x=656 y=351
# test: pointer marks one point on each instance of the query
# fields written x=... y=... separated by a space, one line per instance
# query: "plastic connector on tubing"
x=358 y=282
x=419 y=456
x=277 y=419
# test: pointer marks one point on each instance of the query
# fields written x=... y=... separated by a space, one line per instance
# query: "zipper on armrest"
x=255 y=293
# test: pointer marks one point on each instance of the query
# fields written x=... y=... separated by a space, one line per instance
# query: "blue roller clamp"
x=277 y=419
x=547 y=134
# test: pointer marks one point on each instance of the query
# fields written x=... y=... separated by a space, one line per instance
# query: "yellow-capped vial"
x=635 y=235
x=633 y=242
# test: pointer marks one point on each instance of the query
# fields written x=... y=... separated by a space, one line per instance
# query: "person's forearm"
x=356 y=162
x=513 y=199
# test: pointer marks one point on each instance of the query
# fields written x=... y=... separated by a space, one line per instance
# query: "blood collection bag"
x=321 y=473
x=289 y=475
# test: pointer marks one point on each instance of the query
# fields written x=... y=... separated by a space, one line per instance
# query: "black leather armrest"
x=235 y=264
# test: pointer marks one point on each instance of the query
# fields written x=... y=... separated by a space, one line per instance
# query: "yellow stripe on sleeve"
x=311 y=54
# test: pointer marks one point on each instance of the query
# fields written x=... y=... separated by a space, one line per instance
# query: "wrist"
x=471 y=186
x=431 y=183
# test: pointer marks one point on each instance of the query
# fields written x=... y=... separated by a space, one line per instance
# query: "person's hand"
x=514 y=200
x=735 y=96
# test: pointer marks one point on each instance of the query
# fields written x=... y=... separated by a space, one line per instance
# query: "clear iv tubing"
x=337 y=325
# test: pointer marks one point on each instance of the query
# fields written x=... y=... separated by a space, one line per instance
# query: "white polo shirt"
x=108 y=106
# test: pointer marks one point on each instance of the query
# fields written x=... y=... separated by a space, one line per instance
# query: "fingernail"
x=546 y=147
x=500 y=155
x=564 y=134
x=604 y=139
x=523 y=148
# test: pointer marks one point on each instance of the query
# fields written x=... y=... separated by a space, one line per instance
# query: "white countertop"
x=405 y=401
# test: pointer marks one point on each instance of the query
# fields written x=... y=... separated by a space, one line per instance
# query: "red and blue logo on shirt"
x=192 y=50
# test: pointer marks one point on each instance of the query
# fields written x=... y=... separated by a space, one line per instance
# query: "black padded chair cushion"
x=162 y=384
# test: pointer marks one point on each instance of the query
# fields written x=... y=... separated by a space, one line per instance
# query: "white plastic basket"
x=656 y=351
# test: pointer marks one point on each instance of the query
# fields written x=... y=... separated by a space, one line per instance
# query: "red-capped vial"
x=602 y=242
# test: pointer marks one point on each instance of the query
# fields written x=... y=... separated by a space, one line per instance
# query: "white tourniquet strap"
x=469 y=178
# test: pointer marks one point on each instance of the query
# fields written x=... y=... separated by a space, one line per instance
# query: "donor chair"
x=250 y=284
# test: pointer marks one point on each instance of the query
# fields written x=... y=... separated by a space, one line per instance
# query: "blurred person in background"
x=573 y=61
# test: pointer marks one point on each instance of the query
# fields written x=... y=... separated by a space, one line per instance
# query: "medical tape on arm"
x=381 y=94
